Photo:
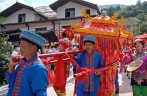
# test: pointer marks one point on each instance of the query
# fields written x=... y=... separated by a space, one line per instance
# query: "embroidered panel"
x=89 y=79
x=19 y=75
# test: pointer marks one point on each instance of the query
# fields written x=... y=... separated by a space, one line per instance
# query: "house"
x=44 y=20
x=73 y=8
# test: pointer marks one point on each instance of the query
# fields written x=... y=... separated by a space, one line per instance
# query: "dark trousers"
x=52 y=67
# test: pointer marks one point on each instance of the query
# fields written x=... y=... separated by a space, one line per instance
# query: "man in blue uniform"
x=30 y=78
x=91 y=60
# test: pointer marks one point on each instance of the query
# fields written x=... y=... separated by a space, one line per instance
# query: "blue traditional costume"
x=30 y=77
x=93 y=60
x=116 y=83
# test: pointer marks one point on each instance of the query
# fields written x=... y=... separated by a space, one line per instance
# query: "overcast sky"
x=35 y=3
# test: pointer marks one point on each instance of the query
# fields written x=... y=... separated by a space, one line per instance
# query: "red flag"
x=51 y=77
x=60 y=72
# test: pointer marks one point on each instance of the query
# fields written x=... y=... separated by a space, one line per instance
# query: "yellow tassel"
x=74 y=94
x=112 y=94
x=62 y=94
x=57 y=92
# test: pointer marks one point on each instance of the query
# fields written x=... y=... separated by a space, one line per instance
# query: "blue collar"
x=90 y=53
x=32 y=59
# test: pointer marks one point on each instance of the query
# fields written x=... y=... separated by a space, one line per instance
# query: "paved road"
x=3 y=90
x=124 y=82
x=125 y=88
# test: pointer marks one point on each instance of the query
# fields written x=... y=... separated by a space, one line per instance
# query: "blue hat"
x=89 y=39
x=33 y=38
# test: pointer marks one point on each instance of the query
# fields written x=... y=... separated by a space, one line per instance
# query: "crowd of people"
x=28 y=76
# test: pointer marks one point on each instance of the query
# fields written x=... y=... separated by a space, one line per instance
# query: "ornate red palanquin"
x=110 y=41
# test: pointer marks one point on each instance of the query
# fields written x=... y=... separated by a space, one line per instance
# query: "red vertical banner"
x=81 y=42
x=108 y=77
x=75 y=39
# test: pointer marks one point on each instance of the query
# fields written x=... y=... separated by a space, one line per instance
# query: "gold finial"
x=85 y=14
x=74 y=26
x=122 y=20
x=114 y=17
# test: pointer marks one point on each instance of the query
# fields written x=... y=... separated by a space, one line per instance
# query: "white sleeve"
x=14 y=53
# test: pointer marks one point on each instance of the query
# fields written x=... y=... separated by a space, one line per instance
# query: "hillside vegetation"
x=136 y=16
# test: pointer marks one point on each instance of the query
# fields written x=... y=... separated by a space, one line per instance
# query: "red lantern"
x=69 y=33
x=123 y=27
x=83 y=21
x=115 y=23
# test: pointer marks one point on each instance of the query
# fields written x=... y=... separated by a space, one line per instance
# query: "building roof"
x=59 y=3
x=18 y=6
x=46 y=11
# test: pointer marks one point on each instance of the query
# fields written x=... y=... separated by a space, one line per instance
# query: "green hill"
x=136 y=16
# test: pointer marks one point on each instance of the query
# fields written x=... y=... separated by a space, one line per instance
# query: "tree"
x=5 y=50
x=142 y=28
x=141 y=16
x=144 y=6
x=139 y=13
x=110 y=11
x=117 y=8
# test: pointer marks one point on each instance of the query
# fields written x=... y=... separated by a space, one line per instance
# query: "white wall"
x=66 y=23
x=31 y=26
x=49 y=25
x=41 y=25
x=30 y=16
x=78 y=9
x=37 y=17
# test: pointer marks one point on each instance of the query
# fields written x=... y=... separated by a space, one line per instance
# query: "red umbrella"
x=141 y=36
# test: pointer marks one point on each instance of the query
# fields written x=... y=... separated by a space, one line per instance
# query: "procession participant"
x=91 y=60
x=139 y=76
x=30 y=78
x=127 y=53
x=53 y=50
x=16 y=50
x=61 y=89
x=116 y=83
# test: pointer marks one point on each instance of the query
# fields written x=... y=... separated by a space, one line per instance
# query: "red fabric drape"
x=51 y=75
x=60 y=72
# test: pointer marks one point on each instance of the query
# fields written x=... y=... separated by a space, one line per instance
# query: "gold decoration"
x=114 y=17
x=122 y=20
x=75 y=26
x=115 y=67
x=102 y=76
x=84 y=13
x=130 y=42
x=112 y=94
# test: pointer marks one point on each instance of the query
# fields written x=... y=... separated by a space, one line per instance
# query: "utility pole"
x=59 y=29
